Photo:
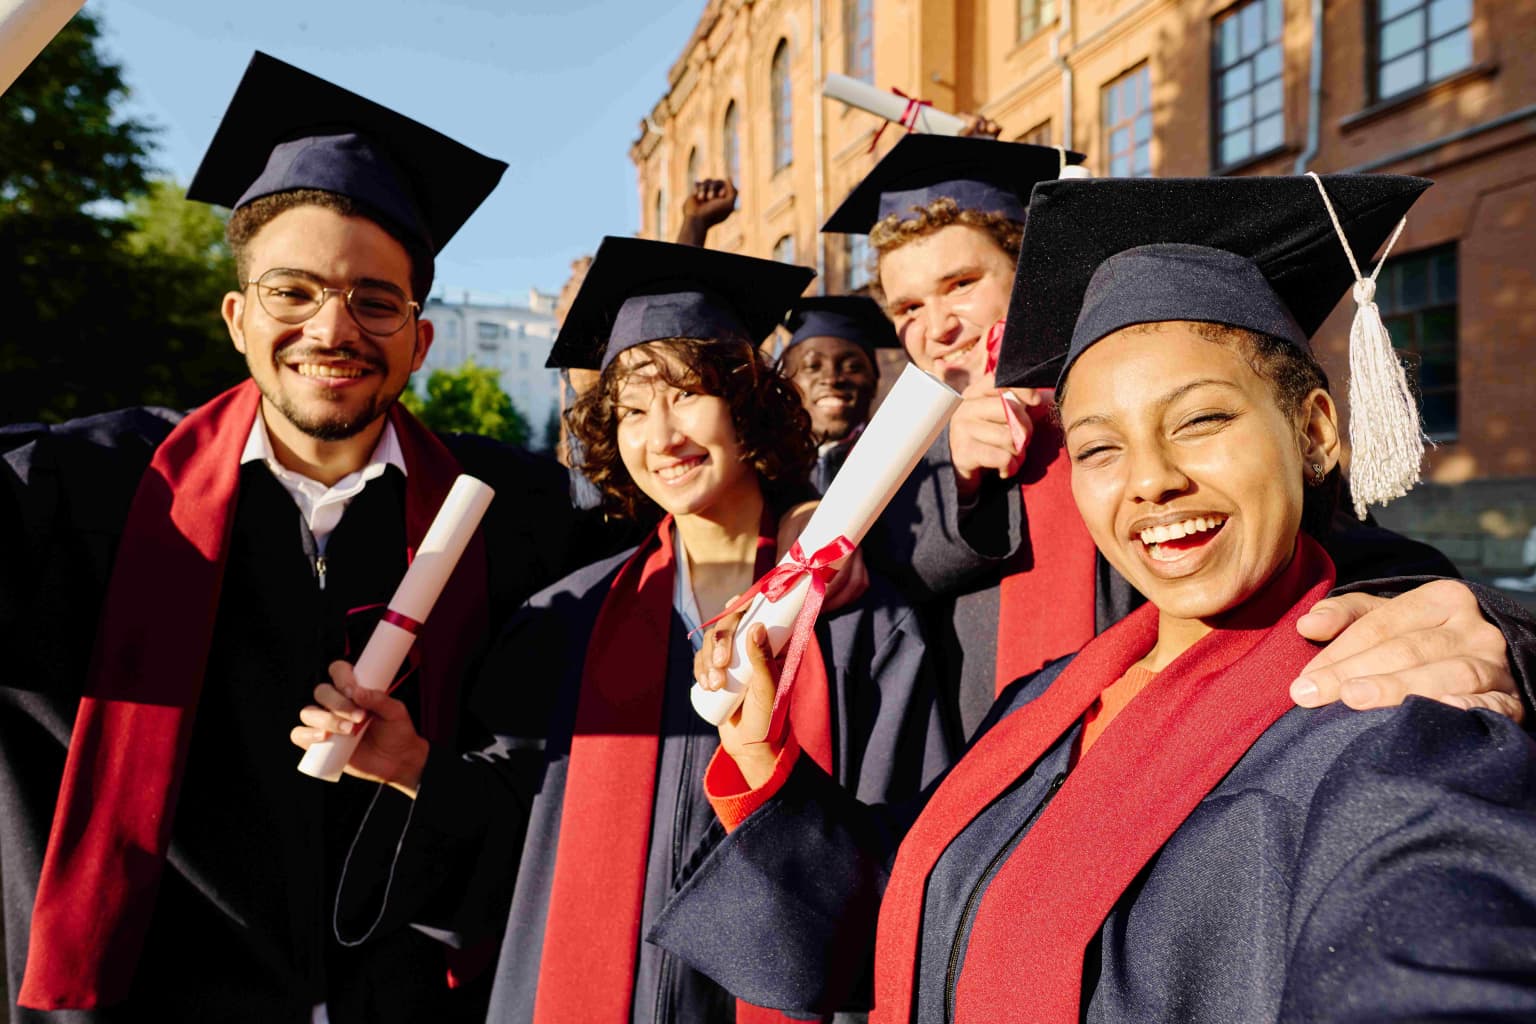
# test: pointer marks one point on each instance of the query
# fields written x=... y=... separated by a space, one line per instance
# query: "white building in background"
x=512 y=339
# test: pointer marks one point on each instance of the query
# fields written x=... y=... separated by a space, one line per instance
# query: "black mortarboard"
x=638 y=291
x=1254 y=252
x=287 y=129
x=978 y=174
x=1257 y=253
x=854 y=318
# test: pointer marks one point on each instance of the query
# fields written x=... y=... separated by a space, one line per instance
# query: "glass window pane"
x=1119 y=167
x=1392 y=8
x=1451 y=54
x=1438 y=330
x=1119 y=140
x=1236 y=146
x=1437 y=372
x=1252 y=17
x=1274 y=17
x=1445 y=15
x=1267 y=63
x=1141 y=164
x=1413 y=283
x=1228 y=41
x=1236 y=113
x=1143 y=129
x=1143 y=80
x=1269 y=133
x=1402 y=35
x=1445 y=276
x=1439 y=414
x=1401 y=75
x=1403 y=329
x=1237 y=81
x=1267 y=98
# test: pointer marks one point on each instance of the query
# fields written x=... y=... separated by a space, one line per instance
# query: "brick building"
x=1441 y=88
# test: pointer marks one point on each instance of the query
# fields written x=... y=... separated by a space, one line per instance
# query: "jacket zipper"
x=952 y=976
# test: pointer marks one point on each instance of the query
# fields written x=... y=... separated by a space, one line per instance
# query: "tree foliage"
x=469 y=400
x=105 y=303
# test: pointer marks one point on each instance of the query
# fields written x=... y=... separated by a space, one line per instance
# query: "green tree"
x=105 y=303
x=468 y=400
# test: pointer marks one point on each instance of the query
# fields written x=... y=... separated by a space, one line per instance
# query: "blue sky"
x=555 y=87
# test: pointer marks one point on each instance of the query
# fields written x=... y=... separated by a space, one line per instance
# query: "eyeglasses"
x=292 y=297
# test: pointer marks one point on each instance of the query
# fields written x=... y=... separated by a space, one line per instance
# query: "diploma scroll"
x=908 y=422
x=418 y=591
x=892 y=107
x=26 y=26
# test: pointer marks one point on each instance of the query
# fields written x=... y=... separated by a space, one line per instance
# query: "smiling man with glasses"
x=215 y=565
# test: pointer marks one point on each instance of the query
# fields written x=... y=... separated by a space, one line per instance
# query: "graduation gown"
x=486 y=829
x=256 y=847
x=951 y=561
x=1351 y=866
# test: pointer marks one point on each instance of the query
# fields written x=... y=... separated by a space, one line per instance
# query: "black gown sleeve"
x=1416 y=898
x=931 y=545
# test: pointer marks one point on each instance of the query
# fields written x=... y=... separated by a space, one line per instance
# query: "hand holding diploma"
x=906 y=425
x=439 y=552
x=390 y=749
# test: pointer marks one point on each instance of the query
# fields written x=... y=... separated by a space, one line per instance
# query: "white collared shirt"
x=322 y=506
x=683 y=601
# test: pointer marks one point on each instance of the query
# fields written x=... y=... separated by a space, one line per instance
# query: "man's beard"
x=330 y=428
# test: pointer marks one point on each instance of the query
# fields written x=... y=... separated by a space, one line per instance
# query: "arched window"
x=859 y=39
x=660 y=221
x=693 y=169
x=783 y=112
x=732 y=142
x=784 y=249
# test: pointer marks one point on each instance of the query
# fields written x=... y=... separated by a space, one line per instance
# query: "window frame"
x=1389 y=288
x=1217 y=71
x=1374 y=24
x=1043 y=18
x=1109 y=127
x=859 y=38
x=781 y=93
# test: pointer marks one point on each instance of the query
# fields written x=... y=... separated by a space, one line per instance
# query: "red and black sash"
x=592 y=935
x=1155 y=762
x=117 y=801
x=1047 y=610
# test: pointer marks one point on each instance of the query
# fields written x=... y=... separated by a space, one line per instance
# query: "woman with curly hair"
x=580 y=816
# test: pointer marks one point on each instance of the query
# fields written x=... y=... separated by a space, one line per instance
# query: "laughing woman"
x=581 y=824
x=1149 y=831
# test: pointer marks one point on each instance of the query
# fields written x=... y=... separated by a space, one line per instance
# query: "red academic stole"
x=592 y=935
x=1047 y=610
x=1155 y=762
x=117 y=801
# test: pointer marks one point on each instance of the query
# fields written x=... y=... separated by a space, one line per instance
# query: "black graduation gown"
x=951 y=562
x=1360 y=866
x=461 y=865
x=241 y=928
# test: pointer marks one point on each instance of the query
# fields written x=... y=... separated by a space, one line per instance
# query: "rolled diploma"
x=418 y=591
x=905 y=427
x=890 y=106
x=26 y=26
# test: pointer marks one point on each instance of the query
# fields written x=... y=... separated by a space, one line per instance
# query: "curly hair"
x=249 y=219
x=771 y=424
x=1292 y=375
x=896 y=229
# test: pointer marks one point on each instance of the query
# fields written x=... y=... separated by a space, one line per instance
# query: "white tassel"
x=1384 y=433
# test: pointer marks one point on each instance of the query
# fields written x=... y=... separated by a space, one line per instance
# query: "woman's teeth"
x=1155 y=536
x=677 y=469
x=327 y=370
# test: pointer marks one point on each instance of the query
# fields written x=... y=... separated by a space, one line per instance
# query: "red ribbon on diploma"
x=1017 y=432
x=908 y=119
x=777 y=582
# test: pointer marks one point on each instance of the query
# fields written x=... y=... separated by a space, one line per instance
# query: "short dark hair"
x=771 y=424
x=1292 y=374
x=249 y=219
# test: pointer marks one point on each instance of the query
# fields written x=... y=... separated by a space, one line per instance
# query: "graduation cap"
x=287 y=129
x=854 y=318
x=978 y=174
x=638 y=291
x=1271 y=255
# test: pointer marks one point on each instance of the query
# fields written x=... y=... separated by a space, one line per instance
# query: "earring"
x=1317 y=473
